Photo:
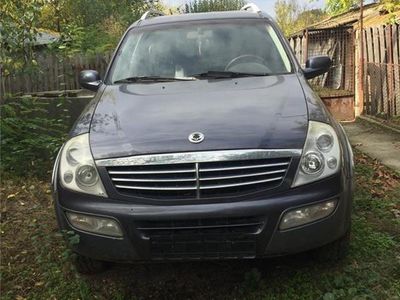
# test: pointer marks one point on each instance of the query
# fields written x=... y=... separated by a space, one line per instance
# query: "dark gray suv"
x=204 y=141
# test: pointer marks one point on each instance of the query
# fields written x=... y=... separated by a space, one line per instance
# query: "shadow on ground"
x=198 y=280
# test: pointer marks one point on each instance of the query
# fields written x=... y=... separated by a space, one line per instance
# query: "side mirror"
x=316 y=66
x=89 y=79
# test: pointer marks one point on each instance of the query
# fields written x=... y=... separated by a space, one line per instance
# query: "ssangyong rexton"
x=204 y=141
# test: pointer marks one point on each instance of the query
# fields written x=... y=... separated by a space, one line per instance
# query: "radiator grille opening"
x=199 y=179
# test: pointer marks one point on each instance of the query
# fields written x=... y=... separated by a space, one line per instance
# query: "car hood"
x=242 y=113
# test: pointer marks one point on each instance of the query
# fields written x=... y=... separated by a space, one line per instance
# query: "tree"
x=291 y=17
x=335 y=7
x=18 y=31
x=196 y=6
x=286 y=13
x=308 y=17
x=391 y=6
x=91 y=25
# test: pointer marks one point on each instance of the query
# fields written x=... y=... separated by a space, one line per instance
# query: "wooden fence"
x=53 y=73
x=382 y=70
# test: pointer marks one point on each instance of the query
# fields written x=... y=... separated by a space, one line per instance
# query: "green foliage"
x=391 y=6
x=30 y=138
x=213 y=5
x=335 y=7
x=291 y=17
x=91 y=26
x=84 y=26
x=18 y=29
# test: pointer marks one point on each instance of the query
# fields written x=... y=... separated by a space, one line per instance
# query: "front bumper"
x=136 y=244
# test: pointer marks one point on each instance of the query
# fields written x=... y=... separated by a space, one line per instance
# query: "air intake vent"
x=202 y=238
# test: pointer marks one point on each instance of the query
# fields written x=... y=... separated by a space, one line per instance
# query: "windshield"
x=192 y=50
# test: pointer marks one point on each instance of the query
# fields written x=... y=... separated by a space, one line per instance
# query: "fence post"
x=2 y=84
x=361 y=62
x=305 y=34
x=389 y=45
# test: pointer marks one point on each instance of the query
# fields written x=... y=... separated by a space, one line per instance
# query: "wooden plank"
x=389 y=69
x=301 y=50
x=81 y=65
x=301 y=47
x=298 y=49
x=45 y=68
x=76 y=71
x=51 y=73
x=378 y=75
x=396 y=69
x=98 y=65
x=370 y=48
x=305 y=46
x=291 y=43
x=365 y=48
x=382 y=45
x=70 y=74
x=383 y=61
x=375 y=36
x=370 y=59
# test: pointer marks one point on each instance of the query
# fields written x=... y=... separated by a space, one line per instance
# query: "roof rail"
x=150 y=13
x=251 y=7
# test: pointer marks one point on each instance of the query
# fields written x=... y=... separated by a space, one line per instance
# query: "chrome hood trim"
x=195 y=157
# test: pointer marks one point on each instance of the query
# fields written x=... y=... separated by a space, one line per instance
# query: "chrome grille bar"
x=243 y=175
x=150 y=172
x=220 y=186
x=200 y=156
x=154 y=179
x=197 y=175
x=158 y=188
x=243 y=167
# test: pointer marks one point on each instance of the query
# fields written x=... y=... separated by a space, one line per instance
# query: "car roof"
x=240 y=14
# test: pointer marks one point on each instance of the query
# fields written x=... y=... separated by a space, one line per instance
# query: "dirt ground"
x=376 y=142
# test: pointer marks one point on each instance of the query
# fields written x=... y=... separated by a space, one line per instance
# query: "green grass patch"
x=36 y=264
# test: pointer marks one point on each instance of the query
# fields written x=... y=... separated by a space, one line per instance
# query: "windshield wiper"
x=152 y=79
x=227 y=74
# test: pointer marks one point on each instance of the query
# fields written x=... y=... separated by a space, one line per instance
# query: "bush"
x=32 y=131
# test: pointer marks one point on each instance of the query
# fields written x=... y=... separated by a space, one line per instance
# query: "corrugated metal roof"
x=45 y=37
x=374 y=15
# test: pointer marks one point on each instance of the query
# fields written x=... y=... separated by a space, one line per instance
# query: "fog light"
x=307 y=214
x=99 y=225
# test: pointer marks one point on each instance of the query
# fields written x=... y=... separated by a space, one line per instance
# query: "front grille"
x=202 y=238
x=199 y=179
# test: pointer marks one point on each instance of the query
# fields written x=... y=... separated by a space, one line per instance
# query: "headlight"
x=307 y=214
x=77 y=169
x=321 y=154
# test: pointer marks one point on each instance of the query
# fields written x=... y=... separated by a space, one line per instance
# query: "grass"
x=36 y=264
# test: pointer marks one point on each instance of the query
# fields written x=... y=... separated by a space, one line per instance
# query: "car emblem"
x=196 y=137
